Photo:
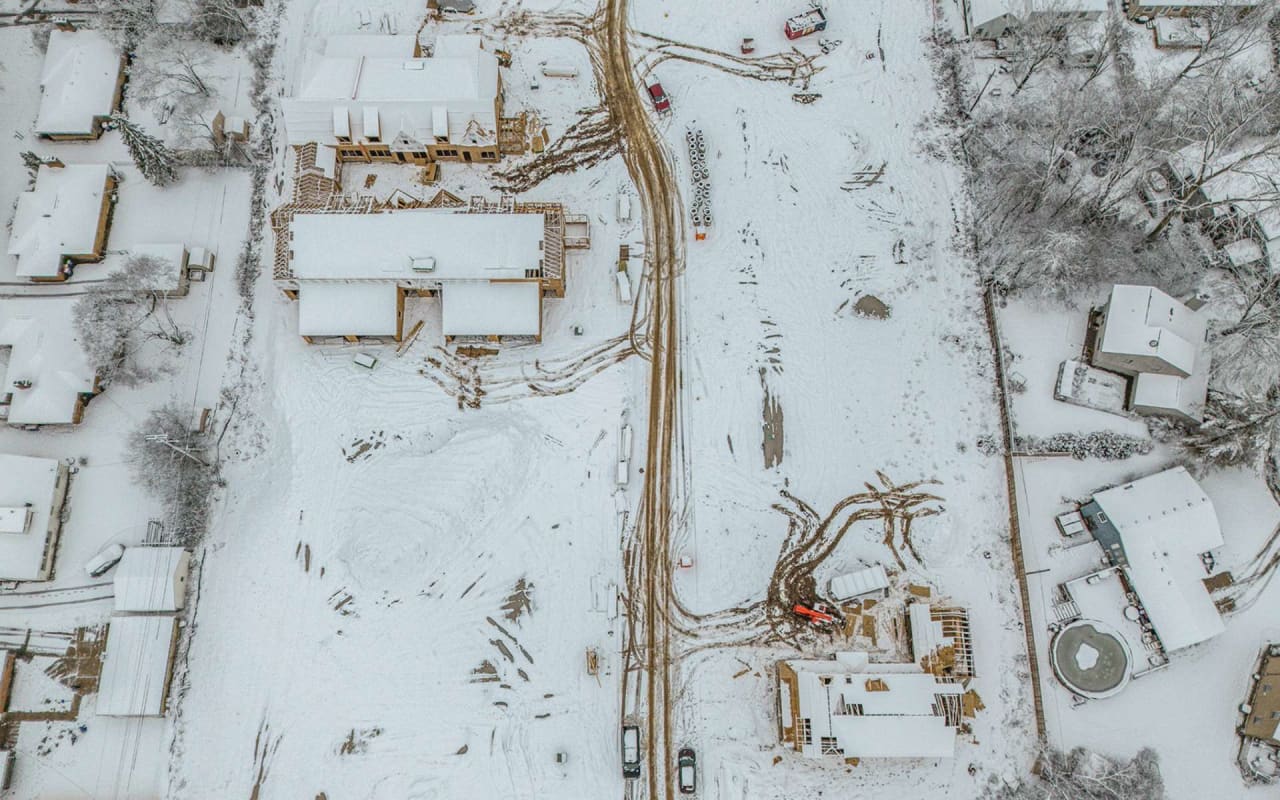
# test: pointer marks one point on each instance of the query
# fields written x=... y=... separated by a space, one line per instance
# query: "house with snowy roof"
x=489 y=266
x=850 y=708
x=1159 y=344
x=63 y=221
x=47 y=380
x=137 y=665
x=993 y=19
x=1155 y=530
x=380 y=98
x=32 y=494
x=80 y=85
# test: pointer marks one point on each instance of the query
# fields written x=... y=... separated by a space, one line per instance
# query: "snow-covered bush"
x=1104 y=445
x=1238 y=430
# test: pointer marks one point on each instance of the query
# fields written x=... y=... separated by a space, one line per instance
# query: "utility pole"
x=163 y=438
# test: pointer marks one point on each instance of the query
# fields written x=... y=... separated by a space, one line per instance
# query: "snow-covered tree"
x=156 y=162
x=1238 y=430
x=127 y=22
x=32 y=162
x=125 y=326
x=1084 y=775
x=218 y=21
x=174 y=464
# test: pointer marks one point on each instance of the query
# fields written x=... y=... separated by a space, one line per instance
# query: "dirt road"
x=651 y=170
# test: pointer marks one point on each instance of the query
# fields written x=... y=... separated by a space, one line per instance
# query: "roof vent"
x=423 y=264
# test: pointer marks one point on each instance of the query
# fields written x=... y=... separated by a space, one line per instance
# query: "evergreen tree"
x=156 y=162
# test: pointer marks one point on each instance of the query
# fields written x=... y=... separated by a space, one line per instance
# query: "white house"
x=152 y=579
x=80 y=85
x=351 y=272
x=62 y=221
x=32 y=493
x=137 y=666
x=1158 y=342
x=851 y=708
x=993 y=19
x=1155 y=530
x=374 y=98
x=47 y=379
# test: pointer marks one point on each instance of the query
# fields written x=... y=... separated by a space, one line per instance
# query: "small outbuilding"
x=32 y=494
x=137 y=666
x=80 y=85
x=152 y=579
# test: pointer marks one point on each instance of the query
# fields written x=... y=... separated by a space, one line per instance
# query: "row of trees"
x=1084 y=775
x=1060 y=164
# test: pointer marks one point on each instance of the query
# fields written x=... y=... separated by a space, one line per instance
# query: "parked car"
x=687 y=771
x=630 y=751
x=659 y=97
x=104 y=560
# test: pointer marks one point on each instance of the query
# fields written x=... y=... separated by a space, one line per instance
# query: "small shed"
x=152 y=579
x=857 y=584
x=137 y=666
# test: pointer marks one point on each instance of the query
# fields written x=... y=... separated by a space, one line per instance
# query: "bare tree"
x=173 y=463
x=1084 y=775
x=127 y=22
x=1039 y=40
x=119 y=318
x=218 y=21
x=1238 y=429
x=1224 y=32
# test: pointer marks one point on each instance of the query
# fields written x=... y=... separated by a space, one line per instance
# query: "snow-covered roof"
x=1248 y=183
x=59 y=217
x=1158 y=5
x=1165 y=521
x=1169 y=394
x=372 y=45
x=385 y=246
x=150 y=579
x=899 y=709
x=27 y=484
x=46 y=354
x=863 y=581
x=136 y=666
x=348 y=309
x=1144 y=321
x=81 y=70
x=470 y=308
x=377 y=81
x=927 y=636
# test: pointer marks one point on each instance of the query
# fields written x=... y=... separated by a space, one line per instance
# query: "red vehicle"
x=659 y=97
x=818 y=615
x=804 y=24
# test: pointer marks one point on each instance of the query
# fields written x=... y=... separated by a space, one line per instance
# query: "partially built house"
x=353 y=266
x=373 y=98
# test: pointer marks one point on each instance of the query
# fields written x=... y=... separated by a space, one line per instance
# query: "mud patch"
x=871 y=307
x=519 y=601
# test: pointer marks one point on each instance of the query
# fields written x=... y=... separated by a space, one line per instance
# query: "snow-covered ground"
x=398 y=591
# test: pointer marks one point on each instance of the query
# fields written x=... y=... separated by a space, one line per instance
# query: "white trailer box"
x=553 y=69
x=624 y=288
x=857 y=584
x=624 y=207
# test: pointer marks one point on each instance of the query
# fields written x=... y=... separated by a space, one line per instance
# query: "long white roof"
x=150 y=579
x=377 y=81
x=348 y=309
x=59 y=217
x=899 y=712
x=26 y=481
x=46 y=352
x=468 y=308
x=384 y=246
x=981 y=11
x=1165 y=521
x=135 y=667
x=81 y=69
